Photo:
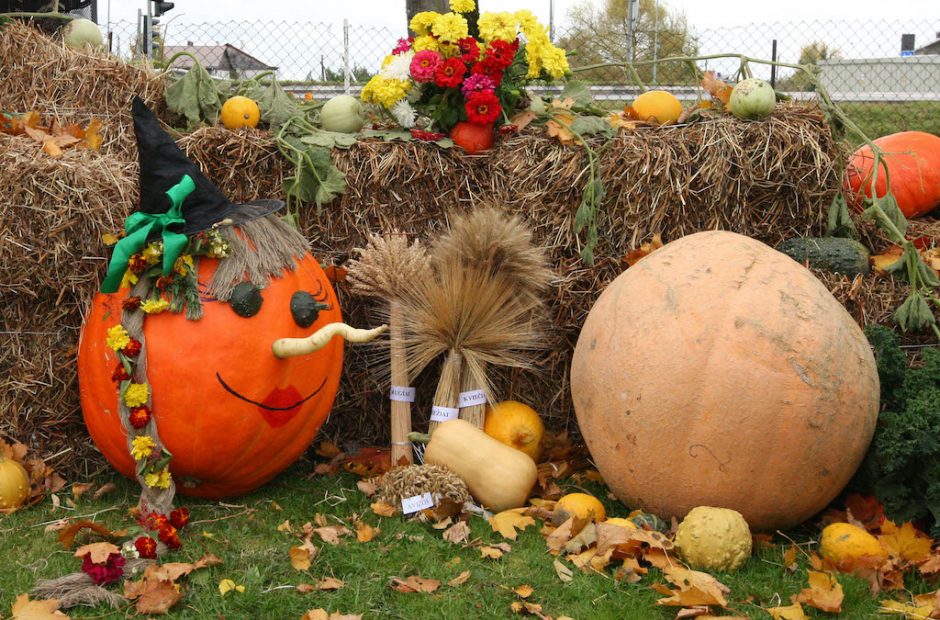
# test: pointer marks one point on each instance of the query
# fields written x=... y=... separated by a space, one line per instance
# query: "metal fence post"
x=346 y=71
x=773 y=68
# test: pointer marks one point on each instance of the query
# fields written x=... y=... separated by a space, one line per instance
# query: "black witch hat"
x=163 y=164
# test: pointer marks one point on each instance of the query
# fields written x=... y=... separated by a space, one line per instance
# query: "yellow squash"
x=14 y=484
x=499 y=477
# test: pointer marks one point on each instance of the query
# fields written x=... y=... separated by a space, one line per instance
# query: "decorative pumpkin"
x=714 y=539
x=238 y=112
x=580 y=505
x=621 y=522
x=499 y=477
x=14 y=484
x=516 y=425
x=342 y=113
x=231 y=413
x=752 y=98
x=847 y=545
x=657 y=106
x=913 y=160
x=752 y=376
x=471 y=137
x=81 y=33
x=647 y=521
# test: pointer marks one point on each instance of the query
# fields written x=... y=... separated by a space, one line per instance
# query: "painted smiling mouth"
x=279 y=407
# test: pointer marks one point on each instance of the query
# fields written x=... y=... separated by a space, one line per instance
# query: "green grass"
x=881 y=119
x=243 y=533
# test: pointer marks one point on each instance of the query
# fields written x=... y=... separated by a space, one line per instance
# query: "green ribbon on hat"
x=139 y=227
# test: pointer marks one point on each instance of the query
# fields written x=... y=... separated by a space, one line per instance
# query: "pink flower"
x=475 y=82
x=403 y=46
x=424 y=65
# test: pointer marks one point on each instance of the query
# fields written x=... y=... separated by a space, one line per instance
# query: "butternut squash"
x=499 y=477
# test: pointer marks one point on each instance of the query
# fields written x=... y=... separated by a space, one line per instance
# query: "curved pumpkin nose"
x=290 y=347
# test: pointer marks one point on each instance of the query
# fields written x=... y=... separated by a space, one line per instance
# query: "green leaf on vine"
x=840 y=221
x=914 y=314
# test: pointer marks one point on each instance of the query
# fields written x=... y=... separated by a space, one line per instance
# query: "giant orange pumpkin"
x=232 y=414
x=720 y=372
x=913 y=160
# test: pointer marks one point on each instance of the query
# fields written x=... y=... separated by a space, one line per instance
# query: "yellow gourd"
x=516 y=425
x=14 y=484
x=657 y=106
x=621 y=522
x=714 y=539
x=845 y=544
x=238 y=112
x=499 y=477
x=580 y=505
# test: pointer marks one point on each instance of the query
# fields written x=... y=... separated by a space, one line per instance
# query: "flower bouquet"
x=442 y=79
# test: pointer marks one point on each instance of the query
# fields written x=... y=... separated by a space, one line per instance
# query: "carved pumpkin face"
x=232 y=414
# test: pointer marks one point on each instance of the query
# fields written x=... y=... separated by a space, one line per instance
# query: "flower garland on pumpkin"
x=456 y=77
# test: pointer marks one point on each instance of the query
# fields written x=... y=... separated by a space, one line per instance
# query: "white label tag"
x=475 y=397
x=442 y=414
x=402 y=394
x=411 y=505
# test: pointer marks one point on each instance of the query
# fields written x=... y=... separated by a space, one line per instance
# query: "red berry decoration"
x=146 y=547
x=139 y=416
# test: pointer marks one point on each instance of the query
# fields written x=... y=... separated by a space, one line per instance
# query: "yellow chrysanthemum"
x=527 y=21
x=118 y=337
x=153 y=252
x=462 y=6
x=425 y=42
x=498 y=26
x=184 y=264
x=384 y=91
x=158 y=480
x=449 y=50
x=450 y=27
x=421 y=23
x=136 y=395
x=142 y=447
x=154 y=306
x=555 y=62
x=129 y=279
x=387 y=60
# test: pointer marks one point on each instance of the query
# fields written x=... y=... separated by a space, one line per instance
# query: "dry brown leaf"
x=329 y=583
x=460 y=579
x=302 y=555
x=790 y=612
x=322 y=614
x=458 y=533
x=905 y=542
x=621 y=120
x=50 y=148
x=327 y=449
x=367 y=487
x=67 y=533
x=693 y=589
x=530 y=609
x=171 y=571
x=104 y=489
x=522 y=119
x=919 y=609
x=365 y=532
x=824 y=592
x=80 y=488
x=931 y=566
x=789 y=558
x=92 y=138
x=932 y=258
x=636 y=255
x=99 y=551
x=415 y=583
x=490 y=553
x=25 y=609
x=564 y=573
x=331 y=534
x=558 y=127
x=523 y=591
x=509 y=521
x=152 y=597
x=716 y=87
x=383 y=510
x=208 y=559
x=584 y=539
x=557 y=540
x=285 y=527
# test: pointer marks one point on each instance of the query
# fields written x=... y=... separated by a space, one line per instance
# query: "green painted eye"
x=246 y=299
x=305 y=308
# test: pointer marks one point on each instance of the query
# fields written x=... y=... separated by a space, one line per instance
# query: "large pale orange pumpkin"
x=913 y=160
x=719 y=372
x=232 y=414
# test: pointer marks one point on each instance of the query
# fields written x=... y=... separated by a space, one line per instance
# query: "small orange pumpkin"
x=581 y=506
x=516 y=425
x=471 y=137
x=232 y=415
x=913 y=160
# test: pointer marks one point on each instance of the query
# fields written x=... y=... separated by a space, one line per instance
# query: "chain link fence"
x=860 y=63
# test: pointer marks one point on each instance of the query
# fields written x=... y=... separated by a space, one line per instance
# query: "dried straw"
x=405 y=482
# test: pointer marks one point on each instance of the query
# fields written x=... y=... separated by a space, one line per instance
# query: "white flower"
x=399 y=68
x=404 y=114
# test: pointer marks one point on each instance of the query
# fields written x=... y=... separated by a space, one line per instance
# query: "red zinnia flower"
x=490 y=69
x=131 y=303
x=103 y=574
x=469 y=50
x=120 y=374
x=179 y=517
x=132 y=348
x=139 y=416
x=146 y=547
x=482 y=107
x=501 y=53
x=450 y=73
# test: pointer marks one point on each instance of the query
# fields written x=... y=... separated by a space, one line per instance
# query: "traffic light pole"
x=148 y=31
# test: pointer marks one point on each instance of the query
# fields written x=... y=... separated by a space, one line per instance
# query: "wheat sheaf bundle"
x=480 y=305
x=383 y=269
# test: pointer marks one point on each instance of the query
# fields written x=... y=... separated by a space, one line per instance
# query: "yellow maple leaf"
x=790 y=612
x=693 y=588
x=301 y=555
x=824 y=592
x=508 y=522
x=905 y=542
x=906 y=610
x=25 y=609
x=227 y=585
x=100 y=551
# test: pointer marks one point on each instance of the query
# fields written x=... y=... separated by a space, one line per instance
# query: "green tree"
x=601 y=34
x=810 y=56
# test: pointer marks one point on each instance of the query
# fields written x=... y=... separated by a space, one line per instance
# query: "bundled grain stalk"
x=384 y=269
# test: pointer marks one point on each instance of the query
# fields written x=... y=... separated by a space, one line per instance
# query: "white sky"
x=701 y=14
